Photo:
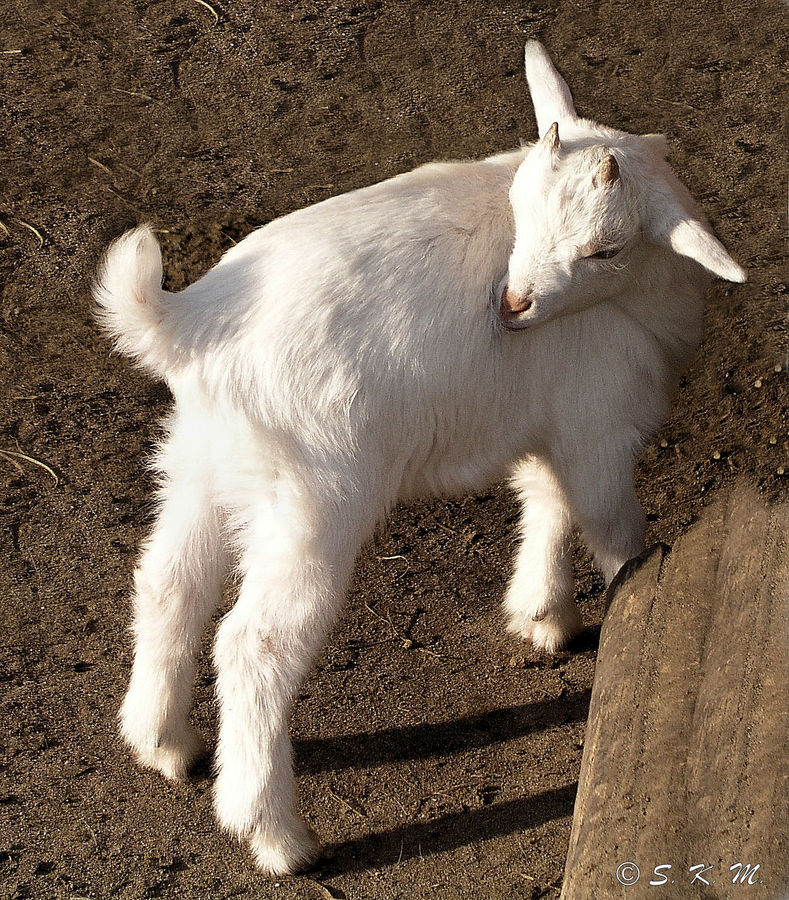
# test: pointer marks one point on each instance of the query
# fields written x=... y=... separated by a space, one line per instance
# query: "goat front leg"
x=294 y=576
x=599 y=487
x=539 y=599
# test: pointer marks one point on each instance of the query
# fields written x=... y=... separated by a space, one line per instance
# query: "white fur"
x=352 y=355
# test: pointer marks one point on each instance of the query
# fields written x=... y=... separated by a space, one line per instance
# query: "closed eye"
x=605 y=254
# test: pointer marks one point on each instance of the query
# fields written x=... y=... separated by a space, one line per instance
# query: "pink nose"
x=512 y=303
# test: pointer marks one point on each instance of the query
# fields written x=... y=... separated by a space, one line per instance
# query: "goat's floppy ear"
x=689 y=237
x=550 y=95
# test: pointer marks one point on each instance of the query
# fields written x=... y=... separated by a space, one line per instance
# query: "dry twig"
x=210 y=8
x=35 y=231
x=352 y=807
x=132 y=93
x=99 y=165
x=12 y=456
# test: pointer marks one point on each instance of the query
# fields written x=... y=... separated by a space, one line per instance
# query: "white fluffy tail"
x=132 y=306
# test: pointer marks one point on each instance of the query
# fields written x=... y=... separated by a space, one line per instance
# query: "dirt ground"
x=437 y=757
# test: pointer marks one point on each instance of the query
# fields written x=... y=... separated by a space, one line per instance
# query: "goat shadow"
x=388 y=848
x=426 y=741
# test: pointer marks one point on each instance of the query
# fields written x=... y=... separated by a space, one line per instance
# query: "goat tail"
x=131 y=304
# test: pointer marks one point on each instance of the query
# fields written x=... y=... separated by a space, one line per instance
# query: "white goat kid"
x=418 y=337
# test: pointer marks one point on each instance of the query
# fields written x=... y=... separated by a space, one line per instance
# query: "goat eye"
x=605 y=254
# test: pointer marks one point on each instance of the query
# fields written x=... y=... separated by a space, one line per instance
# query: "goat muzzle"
x=512 y=303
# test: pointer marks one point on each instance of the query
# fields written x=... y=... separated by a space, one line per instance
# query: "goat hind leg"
x=177 y=585
x=294 y=577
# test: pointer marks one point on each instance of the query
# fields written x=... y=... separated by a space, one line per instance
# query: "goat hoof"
x=553 y=630
x=172 y=758
x=286 y=855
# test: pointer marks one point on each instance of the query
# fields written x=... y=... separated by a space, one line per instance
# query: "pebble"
x=716 y=454
x=781 y=470
x=664 y=443
x=758 y=382
x=778 y=368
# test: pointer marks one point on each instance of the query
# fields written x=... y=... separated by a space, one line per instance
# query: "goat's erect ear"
x=550 y=95
x=691 y=238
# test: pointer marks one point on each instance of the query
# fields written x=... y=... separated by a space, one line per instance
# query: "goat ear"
x=691 y=238
x=550 y=95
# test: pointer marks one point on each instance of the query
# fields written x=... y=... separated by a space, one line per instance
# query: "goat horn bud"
x=551 y=137
x=607 y=172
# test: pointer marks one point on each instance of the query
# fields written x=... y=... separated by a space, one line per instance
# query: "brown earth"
x=437 y=757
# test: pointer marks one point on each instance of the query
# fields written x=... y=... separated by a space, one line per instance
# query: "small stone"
x=781 y=470
x=778 y=368
x=716 y=454
x=758 y=382
x=664 y=443
x=408 y=644
x=773 y=440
